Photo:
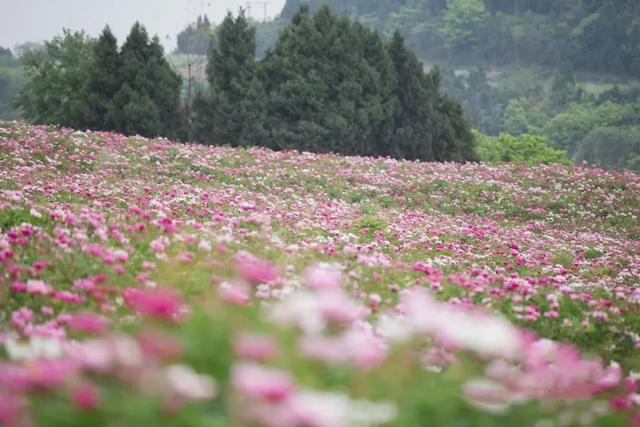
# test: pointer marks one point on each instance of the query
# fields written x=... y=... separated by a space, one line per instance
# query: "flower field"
x=144 y=283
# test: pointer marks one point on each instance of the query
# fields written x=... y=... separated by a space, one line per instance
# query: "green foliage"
x=611 y=147
x=80 y=82
x=103 y=82
x=197 y=37
x=11 y=81
x=529 y=149
x=55 y=92
x=461 y=22
x=596 y=36
x=523 y=67
x=147 y=102
x=330 y=84
x=605 y=133
x=523 y=116
x=223 y=115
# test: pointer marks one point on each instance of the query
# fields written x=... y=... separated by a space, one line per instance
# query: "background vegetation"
x=558 y=69
x=561 y=70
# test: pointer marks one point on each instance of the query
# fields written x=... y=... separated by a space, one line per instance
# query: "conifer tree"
x=223 y=113
x=104 y=81
x=327 y=86
x=413 y=117
x=147 y=103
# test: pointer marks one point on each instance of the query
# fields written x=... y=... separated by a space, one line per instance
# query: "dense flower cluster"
x=335 y=291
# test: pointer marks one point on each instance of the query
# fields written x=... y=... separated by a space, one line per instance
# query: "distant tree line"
x=601 y=129
x=84 y=83
x=594 y=35
x=11 y=81
x=329 y=85
x=196 y=37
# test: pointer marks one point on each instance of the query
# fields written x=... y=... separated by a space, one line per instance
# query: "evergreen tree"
x=104 y=81
x=222 y=114
x=147 y=103
x=428 y=125
x=330 y=85
x=414 y=115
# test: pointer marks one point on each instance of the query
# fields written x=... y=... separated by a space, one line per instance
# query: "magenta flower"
x=85 y=396
x=163 y=304
x=88 y=323
x=255 y=270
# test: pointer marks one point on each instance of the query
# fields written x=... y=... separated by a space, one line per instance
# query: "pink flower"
x=69 y=297
x=255 y=270
x=357 y=345
x=157 y=346
x=323 y=276
x=18 y=287
x=159 y=303
x=186 y=384
x=488 y=395
x=87 y=322
x=256 y=347
x=338 y=308
x=11 y=409
x=22 y=317
x=121 y=255
x=87 y=284
x=235 y=293
x=85 y=396
x=258 y=382
x=186 y=257
x=50 y=373
x=160 y=244
x=38 y=287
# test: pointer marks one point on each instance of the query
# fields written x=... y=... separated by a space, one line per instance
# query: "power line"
x=264 y=4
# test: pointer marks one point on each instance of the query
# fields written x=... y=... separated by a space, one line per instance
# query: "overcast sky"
x=36 y=20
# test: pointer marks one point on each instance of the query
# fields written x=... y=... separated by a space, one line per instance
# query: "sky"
x=37 y=20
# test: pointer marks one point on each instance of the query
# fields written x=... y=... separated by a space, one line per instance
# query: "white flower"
x=204 y=245
x=323 y=409
x=185 y=382
x=35 y=348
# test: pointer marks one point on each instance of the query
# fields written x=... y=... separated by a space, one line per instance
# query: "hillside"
x=597 y=36
x=144 y=282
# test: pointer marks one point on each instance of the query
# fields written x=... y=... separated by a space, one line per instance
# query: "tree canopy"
x=196 y=37
x=330 y=84
x=602 y=36
x=81 y=82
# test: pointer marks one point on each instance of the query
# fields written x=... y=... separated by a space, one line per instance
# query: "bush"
x=529 y=149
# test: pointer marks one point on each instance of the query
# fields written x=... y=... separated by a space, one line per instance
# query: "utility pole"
x=264 y=4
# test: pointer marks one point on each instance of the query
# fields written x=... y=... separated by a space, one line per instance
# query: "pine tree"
x=329 y=85
x=413 y=117
x=222 y=115
x=104 y=81
x=147 y=103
